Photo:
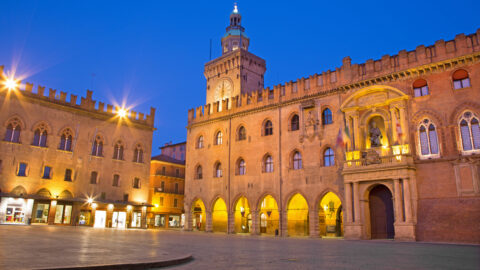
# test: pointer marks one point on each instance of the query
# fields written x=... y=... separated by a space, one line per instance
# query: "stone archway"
x=330 y=216
x=242 y=216
x=199 y=215
x=219 y=216
x=381 y=213
x=297 y=216
x=269 y=216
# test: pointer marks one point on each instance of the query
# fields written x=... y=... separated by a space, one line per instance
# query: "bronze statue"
x=375 y=135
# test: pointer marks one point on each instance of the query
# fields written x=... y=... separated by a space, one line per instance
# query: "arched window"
x=460 y=79
x=327 y=117
x=218 y=169
x=295 y=122
x=268 y=128
x=241 y=167
x=428 y=138
x=40 y=136
x=66 y=140
x=328 y=157
x=97 y=147
x=470 y=132
x=219 y=138
x=198 y=172
x=13 y=131
x=118 y=151
x=242 y=133
x=138 y=154
x=297 y=160
x=200 y=142
x=268 y=164
x=420 y=88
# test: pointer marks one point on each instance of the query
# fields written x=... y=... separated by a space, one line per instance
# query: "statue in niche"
x=311 y=119
x=311 y=125
x=375 y=135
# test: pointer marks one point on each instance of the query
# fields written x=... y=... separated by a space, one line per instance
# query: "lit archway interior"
x=330 y=216
x=269 y=216
x=297 y=216
x=243 y=217
x=219 y=216
x=198 y=214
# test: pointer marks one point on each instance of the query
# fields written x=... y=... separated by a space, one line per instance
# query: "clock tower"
x=237 y=71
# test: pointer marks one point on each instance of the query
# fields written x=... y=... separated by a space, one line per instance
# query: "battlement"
x=347 y=74
x=86 y=103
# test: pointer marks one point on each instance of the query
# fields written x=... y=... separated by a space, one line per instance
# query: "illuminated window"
x=40 y=136
x=68 y=175
x=116 y=180
x=297 y=160
x=470 y=132
x=328 y=157
x=13 y=131
x=327 y=117
x=420 y=88
x=218 y=169
x=118 y=151
x=138 y=154
x=47 y=172
x=242 y=133
x=97 y=147
x=460 y=79
x=428 y=139
x=200 y=142
x=219 y=138
x=66 y=140
x=241 y=167
x=22 y=169
x=268 y=128
x=295 y=123
x=268 y=164
x=198 y=172
x=93 y=178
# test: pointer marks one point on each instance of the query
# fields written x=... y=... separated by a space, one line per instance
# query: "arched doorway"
x=269 y=216
x=219 y=216
x=381 y=213
x=242 y=216
x=297 y=216
x=199 y=217
x=330 y=216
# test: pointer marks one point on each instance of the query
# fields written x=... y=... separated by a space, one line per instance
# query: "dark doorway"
x=381 y=213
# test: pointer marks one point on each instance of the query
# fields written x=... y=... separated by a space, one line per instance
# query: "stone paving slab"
x=49 y=246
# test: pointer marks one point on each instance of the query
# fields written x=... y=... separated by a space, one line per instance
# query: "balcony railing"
x=396 y=155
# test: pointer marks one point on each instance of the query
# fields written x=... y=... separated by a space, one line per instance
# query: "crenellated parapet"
x=86 y=104
x=422 y=60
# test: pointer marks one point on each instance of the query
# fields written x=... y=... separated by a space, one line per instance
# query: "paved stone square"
x=30 y=247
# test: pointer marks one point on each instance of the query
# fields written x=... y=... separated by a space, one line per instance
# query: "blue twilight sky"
x=151 y=53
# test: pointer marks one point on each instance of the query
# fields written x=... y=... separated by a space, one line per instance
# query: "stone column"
x=394 y=125
x=356 y=131
x=208 y=218
x=231 y=222
x=403 y=123
x=313 y=223
x=144 y=217
x=398 y=201
x=348 y=203
x=51 y=212
x=255 y=229
x=188 y=221
x=408 y=200
x=356 y=199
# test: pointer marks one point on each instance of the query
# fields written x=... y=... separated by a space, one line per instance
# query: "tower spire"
x=235 y=37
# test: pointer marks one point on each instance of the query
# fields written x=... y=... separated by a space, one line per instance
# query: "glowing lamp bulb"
x=122 y=113
x=90 y=200
x=10 y=84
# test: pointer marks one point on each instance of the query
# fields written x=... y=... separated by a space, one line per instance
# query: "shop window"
x=118 y=151
x=175 y=203
x=460 y=79
x=136 y=182
x=66 y=140
x=295 y=122
x=268 y=128
x=97 y=147
x=428 y=138
x=22 y=169
x=327 y=117
x=328 y=157
x=68 y=175
x=116 y=180
x=40 y=212
x=268 y=164
x=138 y=154
x=420 y=88
x=63 y=214
x=47 y=172
x=297 y=160
x=93 y=178
x=85 y=217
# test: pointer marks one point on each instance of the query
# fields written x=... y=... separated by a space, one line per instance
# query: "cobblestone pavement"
x=26 y=247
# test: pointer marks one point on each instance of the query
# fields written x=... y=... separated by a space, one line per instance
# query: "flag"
x=399 y=129
x=347 y=130
x=340 y=142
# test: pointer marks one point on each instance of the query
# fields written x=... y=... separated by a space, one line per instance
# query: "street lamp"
x=122 y=113
x=10 y=84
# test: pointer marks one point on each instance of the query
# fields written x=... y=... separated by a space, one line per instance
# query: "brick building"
x=71 y=161
x=270 y=160
x=167 y=184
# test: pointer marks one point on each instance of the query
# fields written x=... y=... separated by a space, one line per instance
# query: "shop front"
x=15 y=210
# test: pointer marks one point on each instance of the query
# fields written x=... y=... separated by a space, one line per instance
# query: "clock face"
x=223 y=90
